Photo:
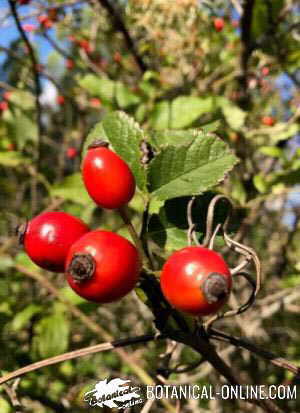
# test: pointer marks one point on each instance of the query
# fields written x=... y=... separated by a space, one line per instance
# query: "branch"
x=239 y=342
x=246 y=23
x=36 y=77
x=120 y=27
x=247 y=46
x=207 y=350
x=56 y=46
x=79 y=353
x=87 y=321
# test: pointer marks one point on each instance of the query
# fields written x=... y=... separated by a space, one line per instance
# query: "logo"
x=114 y=394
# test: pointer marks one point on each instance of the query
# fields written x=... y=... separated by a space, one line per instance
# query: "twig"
x=247 y=49
x=87 y=321
x=56 y=46
x=12 y=394
x=38 y=89
x=79 y=353
x=120 y=26
x=239 y=342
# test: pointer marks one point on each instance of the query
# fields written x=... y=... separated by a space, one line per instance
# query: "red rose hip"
x=102 y=266
x=107 y=178
x=219 y=24
x=268 y=120
x=48 y=237
x=196 y=280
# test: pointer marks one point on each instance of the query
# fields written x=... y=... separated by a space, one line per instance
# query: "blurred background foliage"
x=167 y=65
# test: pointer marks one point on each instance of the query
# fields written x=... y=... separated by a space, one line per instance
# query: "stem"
x=79 y=353
x=34 y=63
x=87 y=322
x=272 y=358
x=138 y=243
x=120 y=26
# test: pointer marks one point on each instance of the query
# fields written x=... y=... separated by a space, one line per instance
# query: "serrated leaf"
x=51 y=335
x=172 y=137
x=186 y=109
x=97 y=133
x=125 y=136
x=190 y=169
x=72 y=189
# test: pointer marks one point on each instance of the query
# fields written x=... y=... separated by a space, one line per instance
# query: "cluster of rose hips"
x=102 y=266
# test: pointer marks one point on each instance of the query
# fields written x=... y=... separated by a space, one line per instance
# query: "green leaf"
x=125 y=136
x=260 y=183
x=211 y=127
x=100 y=86
x=72 y=189
x=24 y=316
x=186 y=109
x=168 y=229
x=190 y=169
x=235 y=117
x=125 y=97
x=282 y=132
x=12 y=159
x=290 y=281
x=172 y=137
x=272 y=151
x=261 y=19
x=159 y=118
x=51 y=335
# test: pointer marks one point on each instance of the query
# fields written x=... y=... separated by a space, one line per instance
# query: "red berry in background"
x=48 y=237
x=268 y=120
x=85 y=45
x=69 y=63
x=7 y=95
x=107 y=178
x=45 y=21
x=196 y=280
x=3 y=106
x=60 y=100
x=24 y=2
x=11 y=147
x=219 y=24
x=72 y=152
x=29 y=27
x=265 y=71
x=95 y=103
x=117 y=57
x=102 y=266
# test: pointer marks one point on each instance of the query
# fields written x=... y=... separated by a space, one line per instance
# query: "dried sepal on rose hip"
x=102 y=266
x=107 y=178
x=196 y=280
x=48 y=237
